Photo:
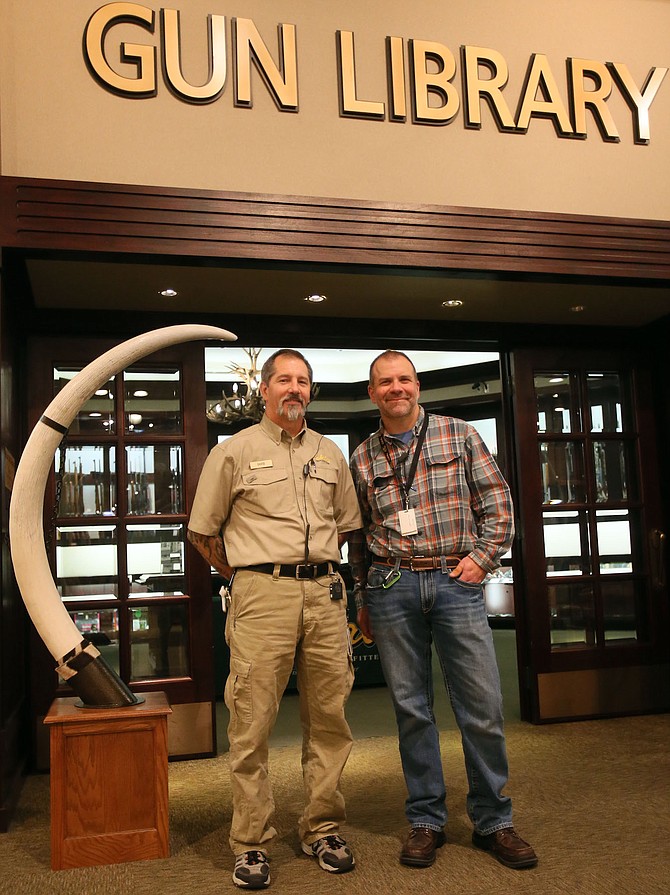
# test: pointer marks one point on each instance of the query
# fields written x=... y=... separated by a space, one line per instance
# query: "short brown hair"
x=390 y=353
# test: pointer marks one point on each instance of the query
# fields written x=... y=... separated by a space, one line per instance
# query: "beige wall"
x=58 y=122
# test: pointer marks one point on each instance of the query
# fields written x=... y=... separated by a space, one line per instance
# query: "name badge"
x=407 y=520
x=260 y=464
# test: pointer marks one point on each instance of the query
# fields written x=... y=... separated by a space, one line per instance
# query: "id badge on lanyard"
x=407 y=519
x=407 y=516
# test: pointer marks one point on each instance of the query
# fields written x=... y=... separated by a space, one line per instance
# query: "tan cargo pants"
x=273 y=624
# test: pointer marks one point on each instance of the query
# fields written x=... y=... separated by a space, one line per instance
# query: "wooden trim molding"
x=99 y=217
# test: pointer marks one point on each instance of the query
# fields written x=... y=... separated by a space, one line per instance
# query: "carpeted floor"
x=593 y=798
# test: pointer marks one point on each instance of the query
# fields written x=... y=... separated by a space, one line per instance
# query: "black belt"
x=301 y=570
x=421 y=563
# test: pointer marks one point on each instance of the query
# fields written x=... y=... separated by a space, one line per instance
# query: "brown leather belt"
x=422 y=563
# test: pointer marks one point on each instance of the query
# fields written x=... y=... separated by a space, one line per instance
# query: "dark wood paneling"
x=13 y=616
x=52 y=215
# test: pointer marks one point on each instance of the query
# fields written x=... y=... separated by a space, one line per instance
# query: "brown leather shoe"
x=420 y=845
x=508 y=847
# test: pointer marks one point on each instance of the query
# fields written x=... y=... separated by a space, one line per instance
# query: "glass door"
x=590 y=545
x=116 y=515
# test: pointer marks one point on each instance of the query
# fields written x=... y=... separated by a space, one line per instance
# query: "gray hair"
x=268 y=368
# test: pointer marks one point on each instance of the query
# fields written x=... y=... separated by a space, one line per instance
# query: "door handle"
x=657 y=544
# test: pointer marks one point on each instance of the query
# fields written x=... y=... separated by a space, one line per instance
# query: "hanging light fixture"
x=244 y=402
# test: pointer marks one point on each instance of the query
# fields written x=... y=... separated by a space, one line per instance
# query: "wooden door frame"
x=544 y=673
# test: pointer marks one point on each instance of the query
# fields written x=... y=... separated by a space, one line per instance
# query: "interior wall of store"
x=59 y=122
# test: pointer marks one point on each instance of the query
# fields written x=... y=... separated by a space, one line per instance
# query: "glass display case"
x=120 y=532
x=590 y=488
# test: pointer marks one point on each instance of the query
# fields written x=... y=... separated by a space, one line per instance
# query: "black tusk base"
x=98 y=685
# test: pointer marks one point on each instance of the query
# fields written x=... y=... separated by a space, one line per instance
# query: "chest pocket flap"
x=324 y=473
x=264 y=477
x=436 y=453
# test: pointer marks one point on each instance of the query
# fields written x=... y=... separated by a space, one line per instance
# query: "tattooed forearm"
x=211 y=547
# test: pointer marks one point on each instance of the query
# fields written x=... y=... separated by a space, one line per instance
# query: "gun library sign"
x=427 y=82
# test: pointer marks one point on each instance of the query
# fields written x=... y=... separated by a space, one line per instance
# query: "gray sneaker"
x=252 y=870
x=332 y=853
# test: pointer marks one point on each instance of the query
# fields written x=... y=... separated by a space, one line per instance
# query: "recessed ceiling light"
x=452 y=303
x=556 y=379
x=169 y=293
x=316 y=298
x=140 y=393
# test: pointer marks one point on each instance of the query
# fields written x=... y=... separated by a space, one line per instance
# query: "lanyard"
x=406 y=484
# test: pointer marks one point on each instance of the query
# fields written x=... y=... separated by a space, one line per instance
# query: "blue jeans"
x=430 y=607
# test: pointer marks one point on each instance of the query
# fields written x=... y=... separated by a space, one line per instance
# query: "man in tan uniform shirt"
x=273 y=506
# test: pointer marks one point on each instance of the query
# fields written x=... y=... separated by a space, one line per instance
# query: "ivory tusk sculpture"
x=78 y=661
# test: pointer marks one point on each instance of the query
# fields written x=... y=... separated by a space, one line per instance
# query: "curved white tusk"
x=31 y=566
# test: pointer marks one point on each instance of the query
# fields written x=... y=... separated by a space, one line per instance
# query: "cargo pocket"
x=238 y=690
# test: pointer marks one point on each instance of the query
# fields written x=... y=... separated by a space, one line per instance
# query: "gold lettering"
x=357 y=636
x=426 y=84
x=595 y=100
x=172 y=58
x=349 y=102
x=144 y=56
x=396 y=64
x=540 y=78
x=490 y=89
x=281 y=81
x=638 y=101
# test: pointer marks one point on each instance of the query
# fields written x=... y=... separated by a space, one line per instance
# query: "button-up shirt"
x=460 y=499
x=267 y=491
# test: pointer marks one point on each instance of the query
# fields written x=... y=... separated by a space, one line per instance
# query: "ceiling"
x=208 y=288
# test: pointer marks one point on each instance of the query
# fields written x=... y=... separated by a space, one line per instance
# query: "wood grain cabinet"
x=109 y=782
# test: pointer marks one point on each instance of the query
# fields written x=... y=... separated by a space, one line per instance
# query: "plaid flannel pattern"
x=461 y=500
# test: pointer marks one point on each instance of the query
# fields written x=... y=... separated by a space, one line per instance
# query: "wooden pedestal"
x=109 y=782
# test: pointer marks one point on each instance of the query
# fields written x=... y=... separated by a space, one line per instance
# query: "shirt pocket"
x=446 y=475
x=267 y=491
x=323 y=480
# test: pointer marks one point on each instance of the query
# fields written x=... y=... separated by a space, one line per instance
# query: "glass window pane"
x=156 y=559
x=86 y=562
x=566 y=543
x=88 y=486
x=611 y=471
x=572 y=615
x=159 y=639
x=101 y=628
x=562 y=466
x=499 y=593
x=614 y=543
x=154 y=474
x=624 y=615
x=152 y=401
x=554 y=403
x=605 y=402
x=97 y=416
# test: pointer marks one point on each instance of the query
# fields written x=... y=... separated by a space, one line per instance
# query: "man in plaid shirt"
x=437 y=517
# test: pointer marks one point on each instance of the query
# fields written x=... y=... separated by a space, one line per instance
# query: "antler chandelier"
x=245 y=402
